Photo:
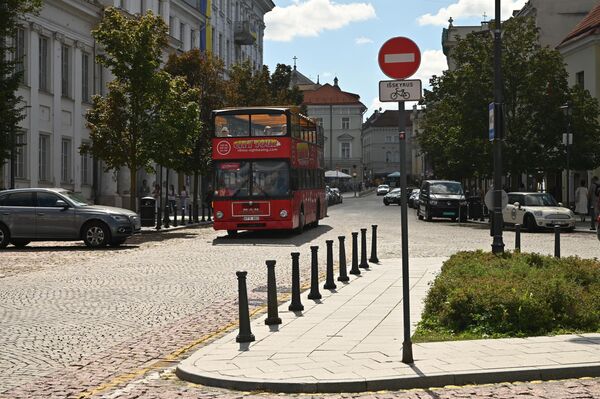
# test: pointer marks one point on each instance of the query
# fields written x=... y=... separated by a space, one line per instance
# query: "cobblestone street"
x=113 y=323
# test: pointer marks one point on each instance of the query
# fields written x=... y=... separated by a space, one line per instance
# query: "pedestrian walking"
x=581 y=201
x=208 y=199
x=172 y=197
x=183 y=199
x=156 y=195
x=594 y=194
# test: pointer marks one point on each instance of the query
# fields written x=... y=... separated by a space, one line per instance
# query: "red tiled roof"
x=590 y=25
x=328 y=94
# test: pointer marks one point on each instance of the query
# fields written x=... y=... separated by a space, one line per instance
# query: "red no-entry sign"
x=399 y=58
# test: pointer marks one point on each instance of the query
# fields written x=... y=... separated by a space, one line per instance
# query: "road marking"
x=401 y=57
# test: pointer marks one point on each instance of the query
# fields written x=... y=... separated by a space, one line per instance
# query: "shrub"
x=479 y=294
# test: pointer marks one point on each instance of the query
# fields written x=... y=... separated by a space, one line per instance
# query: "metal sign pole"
x=407 y=355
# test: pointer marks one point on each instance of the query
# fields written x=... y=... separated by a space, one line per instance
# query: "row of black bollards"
x=556 y=239
x=245 y=333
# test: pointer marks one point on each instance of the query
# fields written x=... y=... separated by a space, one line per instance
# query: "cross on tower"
x=484 y=17
x=295 y=58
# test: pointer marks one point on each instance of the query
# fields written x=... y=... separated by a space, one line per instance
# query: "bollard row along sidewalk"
x=351 y=341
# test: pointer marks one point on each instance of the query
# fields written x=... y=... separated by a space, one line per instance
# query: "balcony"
x=242 y=33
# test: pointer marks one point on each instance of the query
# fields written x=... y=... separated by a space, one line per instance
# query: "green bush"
x=479 y=294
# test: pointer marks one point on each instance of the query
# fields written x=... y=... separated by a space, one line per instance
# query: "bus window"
x=232 y=125
x=232 y=179
x=270 y=178
x=268 y=125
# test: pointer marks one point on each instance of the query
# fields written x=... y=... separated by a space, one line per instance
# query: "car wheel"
x=117 y=242
x=19 y=243
x=4 y=236
x=232 y=233
x=530 y=223
x=96 y=235
x=453 y=219
x=385 y=203
x=419 y=216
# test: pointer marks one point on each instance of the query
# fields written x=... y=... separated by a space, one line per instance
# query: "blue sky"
x=342 y=37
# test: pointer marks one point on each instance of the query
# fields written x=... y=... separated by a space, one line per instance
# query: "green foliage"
x=11 y=108
x=249 y=88
x=455 y=129
x=147 y=116
x=480 y=295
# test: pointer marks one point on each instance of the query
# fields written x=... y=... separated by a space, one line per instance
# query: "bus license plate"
x=250 y=218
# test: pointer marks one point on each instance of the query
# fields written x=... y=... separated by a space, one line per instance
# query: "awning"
x=336 y=173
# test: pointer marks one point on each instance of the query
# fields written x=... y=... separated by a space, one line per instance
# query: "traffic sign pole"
x=498 y=222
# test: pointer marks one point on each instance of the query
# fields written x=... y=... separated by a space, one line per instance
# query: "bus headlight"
x=219 y=215
x=283 y=213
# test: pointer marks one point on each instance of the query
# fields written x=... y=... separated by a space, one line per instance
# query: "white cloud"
x=468 y=9
x=433 y=62
x=363 y=40
x=308 y=18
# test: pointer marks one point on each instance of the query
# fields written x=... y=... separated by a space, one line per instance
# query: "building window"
x=20 y=53
x=388 y=139
x=86 y=169
x=65 y=161
x=44 y=63
x=181 y=31
x=85 y=77
x=345 y=123
x=64 y=71
x=388 y=156
x=21 y=156
x=345 y=149
x=44 y=157
x=221 y=46
x=580 y=79
x=172 y=26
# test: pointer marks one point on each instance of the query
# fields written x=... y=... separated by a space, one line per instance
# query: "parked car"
x=413 y=199
x=442 y=199
x=536 y=211
x=338 y=195
x=383 y=189
x=56 y=214
x=393 y=197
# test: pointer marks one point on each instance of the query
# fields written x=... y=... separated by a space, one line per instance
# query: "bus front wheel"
x=232 y=233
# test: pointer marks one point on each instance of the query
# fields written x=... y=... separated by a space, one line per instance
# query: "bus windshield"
x=246 y=179
x=255 y=125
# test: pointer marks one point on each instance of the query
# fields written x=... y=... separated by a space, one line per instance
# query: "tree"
x=204 y=73
x=11 y=108
x=139 y=120
x=454 y=133
x=247 y=87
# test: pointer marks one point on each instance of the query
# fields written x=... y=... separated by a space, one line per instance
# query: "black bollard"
x=196 y=214
x=190 y=214
x=175 y=216
x=203 y=219
x=343 y=277
x=592 y=218
x=329 y=282
x=208 y=211
x=314 y=274
x=296 y=304
x=354 y=269
x=167 y=218
x=363 y=249
x=245 y=334
x=183 y=215
x=556 y=241
x=517 y=237
x=158 y=218
x=272 y=312
x=374 y=258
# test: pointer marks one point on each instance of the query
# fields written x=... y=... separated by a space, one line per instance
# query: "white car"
x=536 y=211
x=383 y=189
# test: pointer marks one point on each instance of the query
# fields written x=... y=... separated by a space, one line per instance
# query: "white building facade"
x=60 y=78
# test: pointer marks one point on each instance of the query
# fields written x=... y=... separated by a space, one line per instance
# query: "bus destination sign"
x=261 y=148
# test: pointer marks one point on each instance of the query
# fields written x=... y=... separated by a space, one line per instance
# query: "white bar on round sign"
x=402 y=57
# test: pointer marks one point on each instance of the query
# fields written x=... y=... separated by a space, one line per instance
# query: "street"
x=114 y=322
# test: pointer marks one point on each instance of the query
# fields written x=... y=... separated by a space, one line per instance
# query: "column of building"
x=34 y=103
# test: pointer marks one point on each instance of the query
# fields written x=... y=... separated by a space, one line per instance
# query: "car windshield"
x=252 y=179
x=447 y=188
x=384 y=186
x=396 y=190
x=75 y=198
x=541 y=199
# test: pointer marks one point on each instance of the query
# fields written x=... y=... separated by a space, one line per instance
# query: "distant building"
x=340 y=114
x=381 y=145
x=452 y=33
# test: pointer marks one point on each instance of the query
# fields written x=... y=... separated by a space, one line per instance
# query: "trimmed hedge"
x=482 y=295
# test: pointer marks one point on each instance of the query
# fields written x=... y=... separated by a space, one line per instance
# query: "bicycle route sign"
x=399 y=58
x=399 y=90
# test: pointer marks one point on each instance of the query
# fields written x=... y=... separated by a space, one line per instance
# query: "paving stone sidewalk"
x=351 y=340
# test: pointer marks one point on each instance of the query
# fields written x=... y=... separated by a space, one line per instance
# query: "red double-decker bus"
x=268 y=170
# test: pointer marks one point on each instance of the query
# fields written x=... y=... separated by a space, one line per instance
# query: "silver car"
x=56 y=214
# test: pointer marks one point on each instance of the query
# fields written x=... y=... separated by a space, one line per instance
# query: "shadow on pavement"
x=586 y=340
x=273 y=237
x=66 y=248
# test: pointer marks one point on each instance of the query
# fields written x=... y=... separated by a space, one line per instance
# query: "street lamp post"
x=354 y=178
x=497 y=243
x=567 y=141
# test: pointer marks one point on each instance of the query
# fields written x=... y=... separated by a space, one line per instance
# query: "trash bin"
x=147 y=211
x=475 y=208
